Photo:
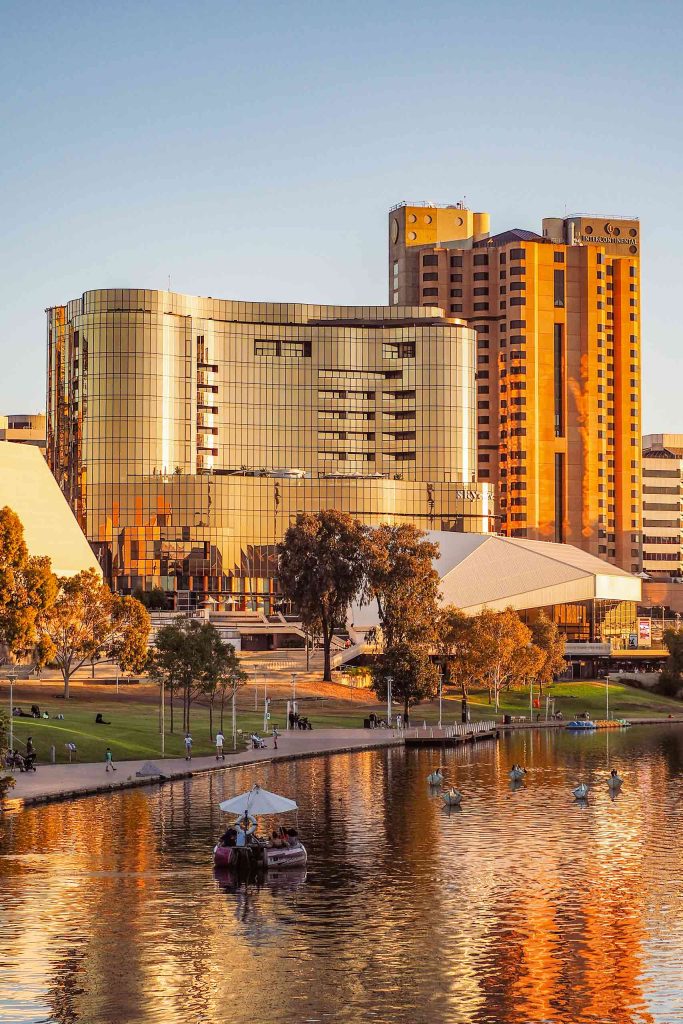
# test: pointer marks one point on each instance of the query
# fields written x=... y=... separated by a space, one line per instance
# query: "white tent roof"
x=485 y=570
x=258 y=801
x=50 y=528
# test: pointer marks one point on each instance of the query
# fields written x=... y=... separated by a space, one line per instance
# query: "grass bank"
x=134 y=715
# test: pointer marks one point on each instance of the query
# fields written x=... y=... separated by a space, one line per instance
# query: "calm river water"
x=522 y=908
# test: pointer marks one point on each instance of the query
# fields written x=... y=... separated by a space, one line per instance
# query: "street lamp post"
x=294 y=692
x=389 y=682
x=440 y=695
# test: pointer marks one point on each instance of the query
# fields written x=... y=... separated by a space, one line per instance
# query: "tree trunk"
x=170 y=703
x=222 y=708
x=327 y=660
x=211 y=719
x=66 y=675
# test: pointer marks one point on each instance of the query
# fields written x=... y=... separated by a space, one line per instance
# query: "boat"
x=517 y=774
x=435 y=778
x=259 y=855
x=581 y=725
x=244 y=849
x=581 y=791
x=452 y=797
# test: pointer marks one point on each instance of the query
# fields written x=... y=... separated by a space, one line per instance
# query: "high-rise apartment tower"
x=557 y=317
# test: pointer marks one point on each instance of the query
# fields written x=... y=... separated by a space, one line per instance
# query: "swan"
x=581 y=791
x=435 y=778
x=517 y=773
x=614 y=781
x=452 y=798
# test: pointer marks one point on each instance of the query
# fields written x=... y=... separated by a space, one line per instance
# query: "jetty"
x=452 y=735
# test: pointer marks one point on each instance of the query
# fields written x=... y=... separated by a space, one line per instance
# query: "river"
x=524 y=907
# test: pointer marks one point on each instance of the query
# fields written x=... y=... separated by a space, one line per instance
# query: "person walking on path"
x=220 y=740
x=109 y=760
x=188 y=747
x=275 y=736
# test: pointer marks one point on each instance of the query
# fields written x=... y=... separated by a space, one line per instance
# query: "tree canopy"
x=87 y=622
x=551 y=643
x=27 y=587
x=401 y=579
x=322 y=570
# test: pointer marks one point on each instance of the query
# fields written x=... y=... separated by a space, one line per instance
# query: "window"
x=558 y=257
x=456 y=261
x=481 y=260
x=482 y=435
x=265 y=348
x=430 y=291
x=430 y=261
x=481 y=305
x=457 y=308
x=516 y=324
x=558 y=288
x=456 y=293
x=482 y=275
x=518 y=300
x=430 y=276
x=517 y=286
x=296 y=349
x=517 y=254
x=482 y=419
x=502 y=258
x=559 y=379
x=481 y=291
x=456 y=278
x=398 y=350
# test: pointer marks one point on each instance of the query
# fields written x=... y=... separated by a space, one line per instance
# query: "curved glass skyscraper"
x=186 y=432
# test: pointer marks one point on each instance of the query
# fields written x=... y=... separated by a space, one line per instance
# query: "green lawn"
x=133 y=733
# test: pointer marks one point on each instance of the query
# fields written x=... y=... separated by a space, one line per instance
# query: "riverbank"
x=68 y=781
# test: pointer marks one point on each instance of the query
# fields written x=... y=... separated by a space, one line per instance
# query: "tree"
x=496 y=637
x=671 y=679
x=461 y=656
x=403 y=582
x=548 y=638
x=88 y=622
x=189 y=657
x=413 y=676
x=27 y=587
x=321 y=568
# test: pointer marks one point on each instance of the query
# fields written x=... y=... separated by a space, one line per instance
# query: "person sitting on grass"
x=99 y=720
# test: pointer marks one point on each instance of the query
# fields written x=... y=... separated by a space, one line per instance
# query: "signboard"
x=632 y=641
x=645 y=632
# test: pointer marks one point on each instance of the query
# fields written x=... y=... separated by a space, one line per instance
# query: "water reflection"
x=523 y=906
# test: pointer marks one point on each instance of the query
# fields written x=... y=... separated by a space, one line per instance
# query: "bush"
x=6 y=783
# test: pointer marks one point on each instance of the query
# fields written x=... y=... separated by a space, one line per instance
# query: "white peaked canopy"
x=258 y=801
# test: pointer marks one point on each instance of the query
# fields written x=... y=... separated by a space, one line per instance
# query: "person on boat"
x=293 y=836
x=229 y=836
x=277 y=841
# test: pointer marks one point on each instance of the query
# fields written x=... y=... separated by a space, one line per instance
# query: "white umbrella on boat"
x=258 y=801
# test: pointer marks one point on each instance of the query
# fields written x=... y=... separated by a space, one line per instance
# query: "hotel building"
x=187 y=432
x=557 y=317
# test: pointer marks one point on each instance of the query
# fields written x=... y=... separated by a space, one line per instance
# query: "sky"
x=251 y=151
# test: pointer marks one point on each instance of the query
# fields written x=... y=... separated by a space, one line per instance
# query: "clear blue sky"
x=252 y=150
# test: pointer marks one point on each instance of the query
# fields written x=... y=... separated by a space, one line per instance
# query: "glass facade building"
x=187 y=432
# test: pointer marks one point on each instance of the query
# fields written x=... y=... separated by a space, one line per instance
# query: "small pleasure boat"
x=517 y=774
x=581 y=725
x=452 y=797
x=242 y=849
x=435 y=778
x=581 y=791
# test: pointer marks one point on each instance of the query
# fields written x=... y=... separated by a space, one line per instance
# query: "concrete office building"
x=24 y=428
x=187 y=432
x=557 y=317
x=662 y=513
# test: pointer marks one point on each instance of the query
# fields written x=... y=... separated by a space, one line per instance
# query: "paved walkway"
x=63 y=781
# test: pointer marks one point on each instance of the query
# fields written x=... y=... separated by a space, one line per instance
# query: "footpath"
x=66 y=781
